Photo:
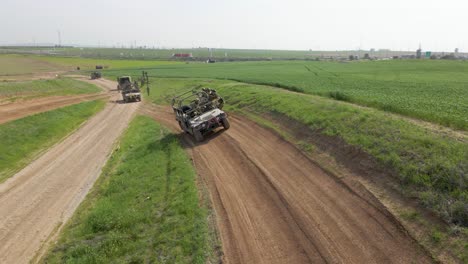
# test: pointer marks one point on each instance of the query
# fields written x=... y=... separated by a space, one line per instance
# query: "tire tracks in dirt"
x=23 y=108
x=36 y=201
x=275 y=205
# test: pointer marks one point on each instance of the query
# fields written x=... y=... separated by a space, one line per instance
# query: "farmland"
x=151 y=53
x=434 y=91
x=13 y=66
x=10 y=91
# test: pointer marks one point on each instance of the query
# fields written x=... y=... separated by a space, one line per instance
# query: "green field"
x=150 y=53
x=24 y=138
x=430 y=165
x=143 y=209
x=434 y=91
x=17 y=64
x=14 y=65
x=29 y=89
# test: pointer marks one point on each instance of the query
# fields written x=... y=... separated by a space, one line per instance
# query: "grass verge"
x=143 y=209
x=30 y=89
x=24 y=138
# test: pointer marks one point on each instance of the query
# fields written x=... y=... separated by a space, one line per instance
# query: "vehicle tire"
x=198 y=136
x=180 y=125
x=225 y=123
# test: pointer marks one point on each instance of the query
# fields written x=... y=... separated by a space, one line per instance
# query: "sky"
x=243 y=24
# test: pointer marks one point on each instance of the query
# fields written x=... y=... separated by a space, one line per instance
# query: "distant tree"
x=366 y=56
x=419 y=54
x=351 y=57
x=450 y=56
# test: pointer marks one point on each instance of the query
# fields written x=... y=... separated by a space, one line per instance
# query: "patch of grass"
x=22 y=139
x=436 y=236
x=143 y=209
x=431 y=166
x=40 y=88
x=410 y=215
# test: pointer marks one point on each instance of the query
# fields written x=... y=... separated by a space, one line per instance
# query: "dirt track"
x=274 y=205
x=22 y=108
x=36 y=201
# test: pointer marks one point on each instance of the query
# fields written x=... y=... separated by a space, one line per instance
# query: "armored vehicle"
x=199 y=111
x=96 y=75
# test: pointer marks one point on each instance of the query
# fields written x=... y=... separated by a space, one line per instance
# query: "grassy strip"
x=22 y=139
x=39 y=88
x=144 y=208
x=431 y=166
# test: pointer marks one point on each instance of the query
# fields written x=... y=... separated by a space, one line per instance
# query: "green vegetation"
x=24 y=138
x=434 y=91
x=219 y=54
x=39 y=88
x=430 y=165
x=17 y=64
x=70 y=63
x=143 y=209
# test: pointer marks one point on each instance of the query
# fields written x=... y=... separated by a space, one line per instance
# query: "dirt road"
x=20 y=109
x=23 y=108
x=274 y=205
x=35 y=202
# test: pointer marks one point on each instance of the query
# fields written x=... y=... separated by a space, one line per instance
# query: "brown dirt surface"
x=36 y=201
x=23 y=108
x=275 y=205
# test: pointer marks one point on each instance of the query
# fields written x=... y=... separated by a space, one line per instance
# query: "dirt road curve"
x=37 y=200
x=22 y=108
x=12 y=111
x=276 y=206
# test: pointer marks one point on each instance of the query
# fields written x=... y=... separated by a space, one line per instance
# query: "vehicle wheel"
x=225 y=123
x=181 y=127
x=198 y=136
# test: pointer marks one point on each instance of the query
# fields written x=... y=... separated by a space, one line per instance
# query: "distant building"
x=182 y=55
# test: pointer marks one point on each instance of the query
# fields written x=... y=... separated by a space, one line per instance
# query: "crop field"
x=218 y=53
x=433 y=91
x=12 y=65
x=145 y=208
x=17 y=64
x=30 y=89
x=24 y=138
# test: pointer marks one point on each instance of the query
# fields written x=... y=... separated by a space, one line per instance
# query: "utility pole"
x=59 y=39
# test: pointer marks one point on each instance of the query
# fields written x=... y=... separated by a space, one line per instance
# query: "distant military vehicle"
x=96 y=75
x=198 y=112
x=123 y=81
x=130 y=91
